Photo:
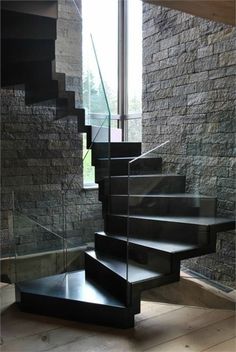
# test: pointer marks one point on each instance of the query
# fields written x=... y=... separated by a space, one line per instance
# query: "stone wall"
x=42 y=160
x=189 y=67
x=69 y=46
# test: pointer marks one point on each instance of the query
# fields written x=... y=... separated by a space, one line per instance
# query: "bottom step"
x=72 y=296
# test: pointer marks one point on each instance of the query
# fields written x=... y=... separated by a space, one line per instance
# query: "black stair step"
x=180 y=250
x=73 y=296
x=188 y=229
x=136 y=273
x=59 y=76
x=163 y=204
x=14 y=50
x=66 y=99
x=26 y=73
x=119 y=166
x=78 y=117
x=17 y=25
x=117 y=149
x=143 y=184
x=116 y=276
x=146 y=256
x=62 y=109
x=65 y=109
x=40 y=91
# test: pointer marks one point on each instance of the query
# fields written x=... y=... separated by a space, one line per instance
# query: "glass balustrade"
x=165 y=216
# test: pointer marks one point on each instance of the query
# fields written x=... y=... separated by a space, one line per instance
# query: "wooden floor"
x=160 y=327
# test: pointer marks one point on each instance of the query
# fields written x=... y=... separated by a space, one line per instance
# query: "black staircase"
x=166 y=224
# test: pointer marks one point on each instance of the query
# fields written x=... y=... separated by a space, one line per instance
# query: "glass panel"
x=99 y=79
x=38 y=251
x=134 y=129
x=96 y=21
x=134 y=56
x=166 y=219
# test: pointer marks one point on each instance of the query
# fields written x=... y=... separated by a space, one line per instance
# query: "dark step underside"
x=73 y=296
x=66 y=110
x=41 y=91
x=170 y=204
x=27 y=73
x=45 y=8
x=25 y=26
x=27 y=50
x=143 y=184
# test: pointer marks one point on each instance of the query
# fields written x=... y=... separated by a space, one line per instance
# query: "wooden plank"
x=215 y=10
x=147 y=334
x=192 y=291
x=227 y=346
x=7 y=296
x=52 y=338
x=201 y=339
x=157 y=325
x=175 y=324
x=152 y=309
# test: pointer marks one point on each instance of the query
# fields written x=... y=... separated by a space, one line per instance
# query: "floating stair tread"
x=164 y=246
x=146 y=176
x=136 y=273
x=124 y=158
x=71 y=286
x=157 y=195
x=200 y=221
x=119 y=143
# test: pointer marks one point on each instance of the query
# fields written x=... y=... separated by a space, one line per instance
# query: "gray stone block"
x=200 y=116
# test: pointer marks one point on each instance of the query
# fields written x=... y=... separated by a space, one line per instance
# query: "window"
x=100 y=19
x=116 y=27
x=134 y=57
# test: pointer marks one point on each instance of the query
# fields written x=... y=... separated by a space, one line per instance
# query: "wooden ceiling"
x=216 y=10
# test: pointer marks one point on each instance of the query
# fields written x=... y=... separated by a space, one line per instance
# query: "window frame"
x=123 y=70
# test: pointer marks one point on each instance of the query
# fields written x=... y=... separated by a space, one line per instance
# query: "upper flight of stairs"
x=165 y=224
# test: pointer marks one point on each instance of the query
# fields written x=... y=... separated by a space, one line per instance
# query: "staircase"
x=165 y=224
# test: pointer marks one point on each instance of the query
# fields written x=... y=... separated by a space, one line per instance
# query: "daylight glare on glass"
x=104 y=30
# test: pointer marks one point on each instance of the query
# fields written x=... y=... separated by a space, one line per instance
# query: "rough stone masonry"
x=189 y=67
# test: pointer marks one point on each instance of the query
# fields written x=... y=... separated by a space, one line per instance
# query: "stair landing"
x=73 y=296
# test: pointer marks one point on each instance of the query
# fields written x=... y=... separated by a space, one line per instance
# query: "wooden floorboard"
x=160 y=327
x=228 y=345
